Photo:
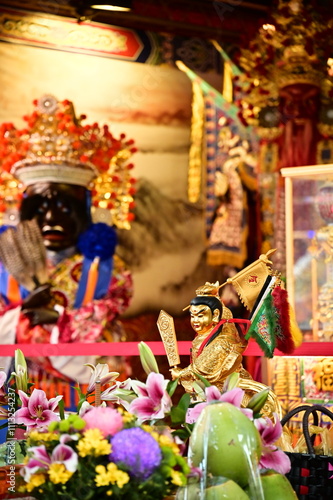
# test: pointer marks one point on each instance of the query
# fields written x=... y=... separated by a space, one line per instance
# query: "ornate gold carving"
x=323 y=374
x=326 y=129
x=38 y=29
x=195 y=155
x=166 y=328
x=269 y=133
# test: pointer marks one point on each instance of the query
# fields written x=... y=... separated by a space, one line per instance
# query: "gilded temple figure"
x=219 y=342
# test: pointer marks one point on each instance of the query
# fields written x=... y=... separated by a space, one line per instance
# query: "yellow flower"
x=93 y=434
x=162 y=439
x=35 y=481
x=59 y=474
x=148 y=428
x=43 y=436
x=167 y=441
x=93 y=443
x=110 y=475
x=102 y=478
x=127 y=417
x=177 y=478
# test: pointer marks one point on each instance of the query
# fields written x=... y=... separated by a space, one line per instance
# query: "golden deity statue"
x=217 y=349
x=218 y=346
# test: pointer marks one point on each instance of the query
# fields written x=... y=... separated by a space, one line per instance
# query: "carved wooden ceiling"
x=200 y=18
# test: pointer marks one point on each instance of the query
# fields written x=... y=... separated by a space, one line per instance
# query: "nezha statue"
x=220 y=341
x=65 y=188
x=218 y=345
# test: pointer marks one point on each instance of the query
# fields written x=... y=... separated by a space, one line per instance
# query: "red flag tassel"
x=284 y=338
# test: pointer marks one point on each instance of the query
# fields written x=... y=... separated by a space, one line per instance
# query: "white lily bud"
x=231 y=382
x=21 y=371
x=257 y=401
x=147 y=358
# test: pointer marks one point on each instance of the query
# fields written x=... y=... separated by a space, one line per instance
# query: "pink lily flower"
x=40 y=460
x=84 y=408
x=62 y=454
x=3 y=395
x=37 y=410
x=271 y=457
x=330 y=468
x=153 y=401
x=234 y=396
x=100 y=372
x=65 y=438
x=3 y=378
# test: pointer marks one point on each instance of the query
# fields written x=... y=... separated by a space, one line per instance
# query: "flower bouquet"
x=128 y=440
x=104 y=453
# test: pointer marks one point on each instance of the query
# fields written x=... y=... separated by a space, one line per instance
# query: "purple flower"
x=136 y=450
x=234 y=397
x=271 y=457
x=37 y=410
x=153 y=400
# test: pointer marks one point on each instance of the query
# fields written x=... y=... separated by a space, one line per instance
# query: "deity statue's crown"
x=56 y=146
x=297 y=66
x=294 y=48
x=209 y=289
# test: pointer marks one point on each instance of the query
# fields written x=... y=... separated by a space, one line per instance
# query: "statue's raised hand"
x=39 y=297
x=41 y=315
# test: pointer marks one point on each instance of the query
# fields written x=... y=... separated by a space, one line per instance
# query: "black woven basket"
x=310 y=473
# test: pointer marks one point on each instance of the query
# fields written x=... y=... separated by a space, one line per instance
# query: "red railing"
x=131 y=349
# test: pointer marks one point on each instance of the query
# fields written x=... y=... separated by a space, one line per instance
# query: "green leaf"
x=203 y=379
x=171 y=387
x=61 y=406
x=78 y=389
x=178 y=413
x=81 y=401
x=184 y=401
x=184 y=433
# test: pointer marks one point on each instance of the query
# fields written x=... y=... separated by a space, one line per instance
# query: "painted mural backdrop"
x=113 y=77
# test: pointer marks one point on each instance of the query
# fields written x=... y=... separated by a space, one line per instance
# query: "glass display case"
x=309 y=248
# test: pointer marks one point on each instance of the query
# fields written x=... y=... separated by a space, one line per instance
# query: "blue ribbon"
x=103 y=280
x=4 y=275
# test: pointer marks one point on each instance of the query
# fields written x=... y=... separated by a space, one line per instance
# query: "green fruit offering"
x=276 y=486
x=226 y=489
x=225 y=442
